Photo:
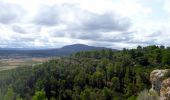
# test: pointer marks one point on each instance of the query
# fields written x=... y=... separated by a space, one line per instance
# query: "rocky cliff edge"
x=160 y=80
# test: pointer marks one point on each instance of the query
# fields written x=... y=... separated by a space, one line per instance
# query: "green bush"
x=148 y=95
x=39 y=95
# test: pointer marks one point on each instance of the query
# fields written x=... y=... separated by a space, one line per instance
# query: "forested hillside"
x=87 y=75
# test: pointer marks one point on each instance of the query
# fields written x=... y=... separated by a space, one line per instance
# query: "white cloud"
x=166 y=6
x=110 y=23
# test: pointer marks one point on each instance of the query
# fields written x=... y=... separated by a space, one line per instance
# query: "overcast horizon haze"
x=114 y=24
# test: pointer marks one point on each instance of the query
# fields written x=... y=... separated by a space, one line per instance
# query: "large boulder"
x=156 y=78
x=160 y=80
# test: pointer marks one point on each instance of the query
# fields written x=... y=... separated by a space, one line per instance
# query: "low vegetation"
x=90 y=75
x=148 y=95
x=6 y=64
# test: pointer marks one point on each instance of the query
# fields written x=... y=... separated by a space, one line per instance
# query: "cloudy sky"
x=109 y=23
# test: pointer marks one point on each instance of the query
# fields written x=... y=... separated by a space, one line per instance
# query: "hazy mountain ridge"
x=64 y=51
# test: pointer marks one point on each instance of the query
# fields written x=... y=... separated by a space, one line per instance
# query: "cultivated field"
x=6 y=64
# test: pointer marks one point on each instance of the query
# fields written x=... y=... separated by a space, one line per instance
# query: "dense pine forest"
x=87 y=75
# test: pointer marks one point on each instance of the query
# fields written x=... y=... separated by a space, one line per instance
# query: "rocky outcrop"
x=165 y=89
x=160 y=80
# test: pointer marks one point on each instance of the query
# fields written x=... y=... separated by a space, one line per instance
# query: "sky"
x=106 y=23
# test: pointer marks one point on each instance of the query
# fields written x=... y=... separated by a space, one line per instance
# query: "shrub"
x=148 y=95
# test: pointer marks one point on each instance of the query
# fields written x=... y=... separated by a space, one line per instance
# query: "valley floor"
x=11 y=63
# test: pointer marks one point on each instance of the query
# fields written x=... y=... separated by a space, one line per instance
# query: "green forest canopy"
x=89 y=75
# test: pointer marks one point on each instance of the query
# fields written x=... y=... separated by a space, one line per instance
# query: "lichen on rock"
x=165 y=89
x=160 y=80
x=156 y=78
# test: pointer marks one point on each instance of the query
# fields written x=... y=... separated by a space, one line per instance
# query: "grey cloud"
x=94 y=27
x=57 y=33
x=25 y=39
x=25 y=28
x=151 y=41
x=156 y=33
x=90 y=36
x=83 y=19
x=86 y=25
x=10 y=13
x=106 y=22
x=96 y=36
x=22 y=38
x=53 y=15
x=16 y=44
x=47 y=16
x=125 y=36
x=18 y=29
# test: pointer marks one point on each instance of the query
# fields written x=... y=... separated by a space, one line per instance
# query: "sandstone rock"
x=160 y=80
x=156 y=78
x=165 y=90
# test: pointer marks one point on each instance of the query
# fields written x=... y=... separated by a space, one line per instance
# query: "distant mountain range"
x=81 y=47
x=64 y=51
